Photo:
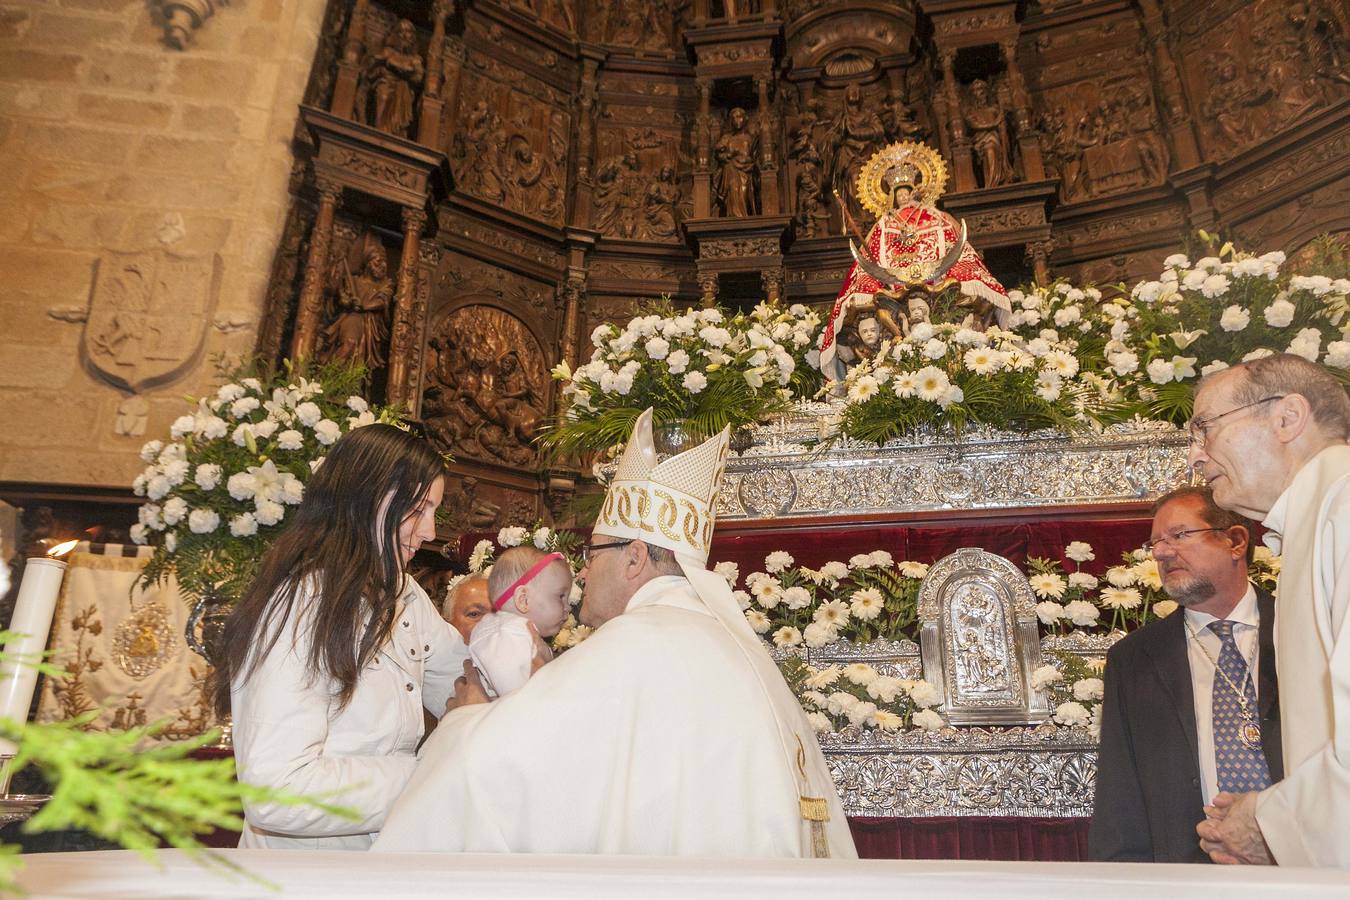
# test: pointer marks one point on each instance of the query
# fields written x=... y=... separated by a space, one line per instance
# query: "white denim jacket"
x=290 y=735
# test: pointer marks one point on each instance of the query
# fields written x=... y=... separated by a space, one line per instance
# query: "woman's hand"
x=468 y=690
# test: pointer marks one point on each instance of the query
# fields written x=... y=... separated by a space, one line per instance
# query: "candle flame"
x=61 y=550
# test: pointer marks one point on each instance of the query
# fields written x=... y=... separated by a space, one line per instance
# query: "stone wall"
x=142 y=197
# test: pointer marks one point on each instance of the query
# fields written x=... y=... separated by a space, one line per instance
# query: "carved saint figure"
x=1322 y=38
x=735 y=154
x=855 y=134
x=915 y=246
x=900 y=122
x=359 y=329
x=395 y=73
x=660 y=205
x=988 y=124
x=618 y=193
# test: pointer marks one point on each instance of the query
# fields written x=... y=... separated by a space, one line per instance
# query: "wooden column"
x=772 y=281
x=400 y=344
x=1039 y=254
x=1028 y=141
x=703 y=152
x=1180 y=125
x=768 y=160
x=307 y=317
x=429 y=118
x=349 y=67
x=587 y=95
x=962 y=164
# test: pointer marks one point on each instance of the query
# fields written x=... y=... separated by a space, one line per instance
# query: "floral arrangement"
x=858 y=696
x=544 y=538
x=950 y=374
x=218 y=491
x=1077 y=356
x=702 y=369
x=1076 y=688
x=867 y=598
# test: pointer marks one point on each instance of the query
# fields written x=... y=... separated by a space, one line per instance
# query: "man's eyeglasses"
x=589 y=550
x=1176 y=538
x=1198 y=429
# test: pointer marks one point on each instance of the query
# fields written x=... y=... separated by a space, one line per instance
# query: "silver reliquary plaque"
x=980 y=640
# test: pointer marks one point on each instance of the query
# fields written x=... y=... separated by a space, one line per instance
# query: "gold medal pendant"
x=1250 y=733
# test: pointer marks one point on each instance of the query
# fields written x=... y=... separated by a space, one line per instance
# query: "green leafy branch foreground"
x=120 y=787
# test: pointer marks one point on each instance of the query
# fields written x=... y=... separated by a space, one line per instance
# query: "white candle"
x=33 y=611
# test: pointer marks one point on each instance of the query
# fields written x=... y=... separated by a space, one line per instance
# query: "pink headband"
x=526 y=579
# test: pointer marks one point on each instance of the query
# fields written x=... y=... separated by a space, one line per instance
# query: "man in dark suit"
x=1190 y=702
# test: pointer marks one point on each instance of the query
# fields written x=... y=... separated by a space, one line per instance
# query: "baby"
x=530 y=590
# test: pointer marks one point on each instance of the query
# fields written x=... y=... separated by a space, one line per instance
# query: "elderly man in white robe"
x=668 y=732
x=1270 y=438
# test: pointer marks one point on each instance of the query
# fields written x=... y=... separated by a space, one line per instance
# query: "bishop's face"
x=605 y=594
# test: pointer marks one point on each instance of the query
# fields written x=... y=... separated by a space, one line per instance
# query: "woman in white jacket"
x=329 y=657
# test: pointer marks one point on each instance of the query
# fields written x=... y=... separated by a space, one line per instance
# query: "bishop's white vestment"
x=1305 y=818
x=662 y=734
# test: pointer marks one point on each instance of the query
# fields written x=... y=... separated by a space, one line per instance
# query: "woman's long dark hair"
x=338 y=540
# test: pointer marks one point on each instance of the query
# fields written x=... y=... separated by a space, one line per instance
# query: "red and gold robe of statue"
x=911 y=240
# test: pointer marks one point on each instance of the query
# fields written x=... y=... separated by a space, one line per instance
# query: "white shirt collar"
x=1274 y=521
x=1245 y=613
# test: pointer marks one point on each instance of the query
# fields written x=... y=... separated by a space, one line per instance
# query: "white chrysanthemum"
x=863 y=389
x=268 y=512
x=833 y=613
x=1079 y=551
x=482 y=552
x=694 y=382
x=923 y=693
x=1279 y=313
x=1082 y=613
x=904 y=385
x=657 y=348
x=1088 y=689
x=1164 y=608
x=758 y=621
x=796 y=597
x=1083 y=580
x=1047 y=585
x=677 y=361
x=928 y=720
x=860 y=561
x=935 y=348
x=787 y=636
x=290 y=439
x=1071 y=714
x=242 y=486
x=885 y=688
x=835 y=570
x=208 y=476
x=730 y=571
x=860 y=674
x=308 y=413
x=1258 y=353
x=326 y=431
x=984 y=360
x=1120 y=598
x=777 y=561
x=1146 y=572
x=203 y=521
x=931 y=383
x=911 y=569
x=818 y=634
x=882 y=559
x=243 y=525
x=1122 y=576
x=150 y=450
x=1234 y=318
x=867 y=604
x=1124 y=362
x=1177 y=261
x=139 y=534
x=1217 y=365
x=511 y=536
x=1049 y=612
x=175 y=509
x=1338 y=355
x=1045 y=676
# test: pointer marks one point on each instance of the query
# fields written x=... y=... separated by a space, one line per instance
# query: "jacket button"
x=426 y=646
x=412 y=652
x=1195 y=782
x=405 y=624
x=410 y=687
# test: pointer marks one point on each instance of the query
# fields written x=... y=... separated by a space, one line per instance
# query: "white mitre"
x=671 y=503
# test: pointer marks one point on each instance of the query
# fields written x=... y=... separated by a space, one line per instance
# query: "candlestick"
x=32 y=622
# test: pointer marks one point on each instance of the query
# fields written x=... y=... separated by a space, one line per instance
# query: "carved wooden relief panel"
x=486 y=388
x=1252 y=69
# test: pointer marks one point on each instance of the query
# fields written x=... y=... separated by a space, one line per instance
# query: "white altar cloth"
x=330 y=874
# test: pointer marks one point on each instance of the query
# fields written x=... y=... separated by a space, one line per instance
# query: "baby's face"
x=549 y=594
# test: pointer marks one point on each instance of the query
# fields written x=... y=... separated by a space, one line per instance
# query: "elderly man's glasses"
x=1199 y=429
x=589 y=550
x=1177 y=538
